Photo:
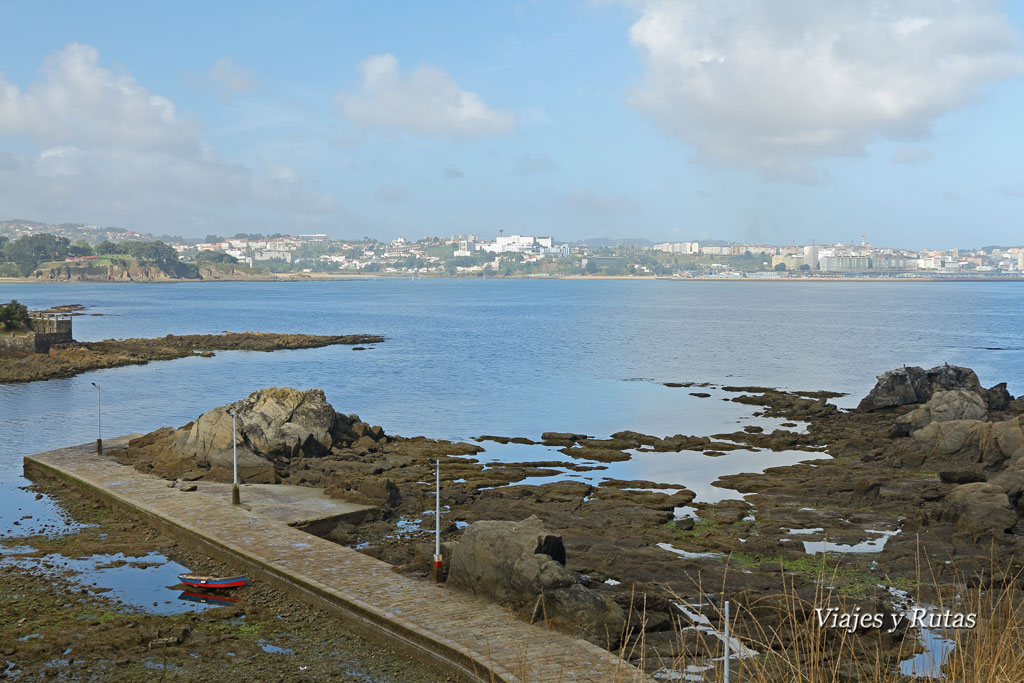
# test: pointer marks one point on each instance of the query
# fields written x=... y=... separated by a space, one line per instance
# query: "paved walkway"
x=464 y=635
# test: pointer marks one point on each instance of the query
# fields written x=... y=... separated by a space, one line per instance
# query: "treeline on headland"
x=45 y=256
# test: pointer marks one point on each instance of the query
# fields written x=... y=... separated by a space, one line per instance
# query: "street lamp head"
x=95 y=385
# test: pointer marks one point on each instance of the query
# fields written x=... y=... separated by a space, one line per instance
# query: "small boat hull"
x=208 y=598
x=212 y=582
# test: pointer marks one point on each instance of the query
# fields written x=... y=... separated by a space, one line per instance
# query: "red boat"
x=212 y=582
x=208 y=598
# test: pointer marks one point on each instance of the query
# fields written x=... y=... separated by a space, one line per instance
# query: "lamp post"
x=99 y=422
x=438 y=561
x=235 y=500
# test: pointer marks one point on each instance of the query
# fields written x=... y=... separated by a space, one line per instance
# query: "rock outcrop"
x=910 y=385
x=963 y=444
x=274 y=425
x=979 y=509
x=521 y=564
x=944 y=406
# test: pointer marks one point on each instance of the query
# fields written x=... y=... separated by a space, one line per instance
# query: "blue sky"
x=742 y=120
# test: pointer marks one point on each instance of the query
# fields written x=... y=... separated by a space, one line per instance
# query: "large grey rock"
x=521 y=564
x=511 y=562
x=943 y=406
x=273 y=426
x=963 y=444
x=910 y=385
x=979 y=509
x=1011 y=481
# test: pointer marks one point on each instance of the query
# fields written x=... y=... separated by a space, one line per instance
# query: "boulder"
x=943 y=406
x=910 y=385
x=998 y=398
x=964 y=444
x=274 y=425
x=1011 y=481
x=979 y=509
x=521 y=564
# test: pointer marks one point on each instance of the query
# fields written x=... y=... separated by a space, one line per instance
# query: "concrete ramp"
x=470 y=638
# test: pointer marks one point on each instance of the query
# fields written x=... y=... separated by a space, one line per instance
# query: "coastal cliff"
x=132 y=270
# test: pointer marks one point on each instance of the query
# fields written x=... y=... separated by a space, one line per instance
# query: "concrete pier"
x=467 y=637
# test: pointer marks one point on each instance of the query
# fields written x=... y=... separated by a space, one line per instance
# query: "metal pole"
x=99 y=421
x=438 y=561
x=235 y=500
x=726 y=670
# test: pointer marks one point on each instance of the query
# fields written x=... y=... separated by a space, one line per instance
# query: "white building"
x=521 y=244
x=811 y=256
x=678 y=247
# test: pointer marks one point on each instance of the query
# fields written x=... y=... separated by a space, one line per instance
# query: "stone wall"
x=24 y=342
x=46 y=332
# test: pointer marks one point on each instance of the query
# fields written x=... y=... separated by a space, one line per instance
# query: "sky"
x=743 y=120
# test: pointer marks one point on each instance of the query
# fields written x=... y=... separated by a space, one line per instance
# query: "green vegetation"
x=13 y=315
x=28 y=252
x=215 y=257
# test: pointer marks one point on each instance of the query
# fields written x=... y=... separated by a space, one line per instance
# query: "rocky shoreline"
x=67 y=360
x=69 y=624
x=929 y=467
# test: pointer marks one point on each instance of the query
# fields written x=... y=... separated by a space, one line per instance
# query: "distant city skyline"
x=741 y=120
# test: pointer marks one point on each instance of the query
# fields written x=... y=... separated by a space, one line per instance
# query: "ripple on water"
x=143 y=587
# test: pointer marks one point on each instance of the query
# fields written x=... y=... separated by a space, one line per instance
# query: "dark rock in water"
x=961 y=476
x=523 y=565
x=979 y=509
x=560 y=438
x=598 y=454
x=909 y=385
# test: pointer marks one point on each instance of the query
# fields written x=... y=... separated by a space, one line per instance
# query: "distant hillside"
x=125 y=269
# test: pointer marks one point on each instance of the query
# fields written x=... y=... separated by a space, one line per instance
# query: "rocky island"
x=72 y=358
x=912 y=501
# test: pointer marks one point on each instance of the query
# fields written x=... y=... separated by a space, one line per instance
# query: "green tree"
x=209 y=239
x=31 y=250
x=779 y=267
x=215 y=257
x=155 y=251
x=13 y=314
x=80 y=248
x=805 y=267
x=107 y=247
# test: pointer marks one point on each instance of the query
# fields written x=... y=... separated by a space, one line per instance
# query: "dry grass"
x=792 y=645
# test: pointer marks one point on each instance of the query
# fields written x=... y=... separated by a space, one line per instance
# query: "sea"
x=517 y=357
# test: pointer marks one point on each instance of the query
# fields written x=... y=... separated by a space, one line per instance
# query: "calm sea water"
x=509 y=357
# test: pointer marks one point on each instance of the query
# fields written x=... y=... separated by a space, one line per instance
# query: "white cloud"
x=111 y=150
x=426 y=101
x=777 y=86
x=79 y=102
x=230 y=77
